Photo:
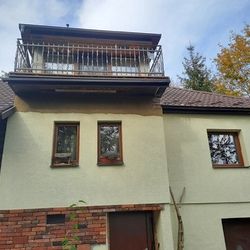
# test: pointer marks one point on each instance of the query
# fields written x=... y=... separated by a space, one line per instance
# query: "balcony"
x=72 y=59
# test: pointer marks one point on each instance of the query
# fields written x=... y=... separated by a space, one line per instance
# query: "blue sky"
x=203 y=23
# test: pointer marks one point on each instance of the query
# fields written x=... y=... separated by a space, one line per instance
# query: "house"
x=208 y=152
x=88 y=125
x=97 y=121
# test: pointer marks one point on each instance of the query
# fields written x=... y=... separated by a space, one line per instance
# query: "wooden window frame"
x=55 y=155
x=102 y=161
x=235 y=135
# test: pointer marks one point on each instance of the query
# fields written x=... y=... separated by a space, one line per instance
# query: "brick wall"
x=29 y=228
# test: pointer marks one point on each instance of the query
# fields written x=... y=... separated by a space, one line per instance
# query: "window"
x=93 y=63
x=56 y=63
x=124 y=66
x=109 y=143
x=225 y=149
x=66 y=144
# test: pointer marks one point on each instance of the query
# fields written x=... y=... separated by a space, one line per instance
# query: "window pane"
x=109 y=141
x=93 y=63
x=223 y=149
x=124 y=66
x=66 y=140
x=59 y=68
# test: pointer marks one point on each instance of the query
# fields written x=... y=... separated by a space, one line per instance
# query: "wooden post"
x=180 y=241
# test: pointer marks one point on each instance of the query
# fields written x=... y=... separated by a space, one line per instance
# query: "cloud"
x=179 y=22
x=204 y=23
x=24 y=11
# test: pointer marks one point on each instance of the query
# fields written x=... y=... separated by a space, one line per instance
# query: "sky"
x=204 y=23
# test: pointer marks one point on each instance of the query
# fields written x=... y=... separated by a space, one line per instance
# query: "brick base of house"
x=44 y=229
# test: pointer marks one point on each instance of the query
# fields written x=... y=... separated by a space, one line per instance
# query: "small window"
x=66 y=144
x=109 y=144
x=225 y=149
x=55 y=218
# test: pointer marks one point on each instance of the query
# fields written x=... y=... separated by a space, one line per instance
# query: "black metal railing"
x=89 y=59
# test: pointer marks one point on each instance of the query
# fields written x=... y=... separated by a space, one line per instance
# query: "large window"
x=66 y=144
x=225 y=149
x=109 y=143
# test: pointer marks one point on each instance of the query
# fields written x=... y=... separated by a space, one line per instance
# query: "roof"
x=6 y=100
x=30 y=31
x=178 y=100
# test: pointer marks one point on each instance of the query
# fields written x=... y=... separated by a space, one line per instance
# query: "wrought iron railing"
x=89 y=59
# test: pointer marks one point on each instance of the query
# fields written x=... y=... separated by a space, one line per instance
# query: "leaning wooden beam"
x=180 y=241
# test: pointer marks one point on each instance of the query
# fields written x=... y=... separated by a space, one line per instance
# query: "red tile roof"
x=6 y=97
x=192 y=98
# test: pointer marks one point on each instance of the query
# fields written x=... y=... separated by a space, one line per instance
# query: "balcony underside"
x=23 y=83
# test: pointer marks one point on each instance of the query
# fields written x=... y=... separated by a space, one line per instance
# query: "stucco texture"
x=28 y=181
x=189 y=161
x=211 y=193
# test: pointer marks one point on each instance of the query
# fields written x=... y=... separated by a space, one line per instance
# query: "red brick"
x=92 y=233
x=83 y=247
x=29 y=233
x=101 y=240
x=128 y=205
x=22 y=239
x=39 y=229
x=14 y=234
x=6 y=246
x=96 y=211
x=16 y=211
x=94 y=225
x=39 y=214
x=100 y=229
x=15 y=218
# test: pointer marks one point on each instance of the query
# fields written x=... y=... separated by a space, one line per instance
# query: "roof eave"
x=167 y=109
x=25 y=30
x=8 y=112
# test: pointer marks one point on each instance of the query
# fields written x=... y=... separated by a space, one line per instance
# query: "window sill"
x=229 y=166
x=110 y=164
x=64 y=165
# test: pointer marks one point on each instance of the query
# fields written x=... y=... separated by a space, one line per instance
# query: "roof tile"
x=192 y=98
x=6 y=97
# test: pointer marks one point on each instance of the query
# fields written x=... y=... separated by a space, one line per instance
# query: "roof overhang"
x=167 y=109
x=26 y=83
x=29 y=32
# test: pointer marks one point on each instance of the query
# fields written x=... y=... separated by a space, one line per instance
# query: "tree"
x=196 y=76
x=233 y=65
x=3 y=74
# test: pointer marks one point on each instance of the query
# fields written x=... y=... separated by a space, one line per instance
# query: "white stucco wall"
x=27 y=181
x=189 y=160
x=164 y=228
x=203 y=223
x=211 y=194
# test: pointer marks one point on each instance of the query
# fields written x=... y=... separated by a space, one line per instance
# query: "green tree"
x=233 y=65
x=3 y=74
x=196 y=75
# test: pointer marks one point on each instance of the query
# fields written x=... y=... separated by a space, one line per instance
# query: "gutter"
x=8 y=112
x=205 y=110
